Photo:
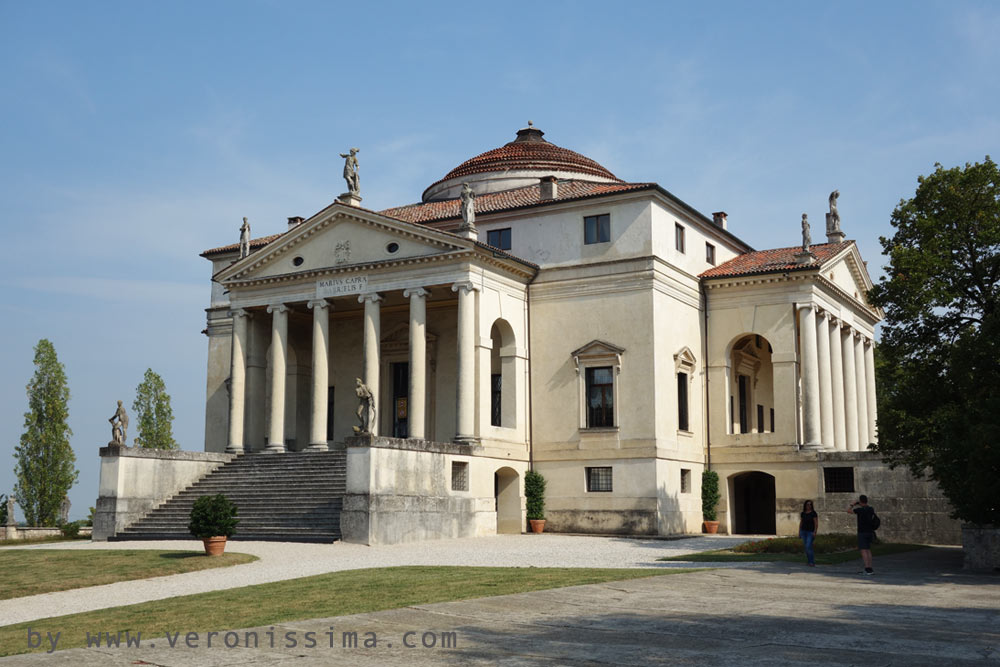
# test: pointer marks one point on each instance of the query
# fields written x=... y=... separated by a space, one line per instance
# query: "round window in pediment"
x=392 y=248
x=297 y=261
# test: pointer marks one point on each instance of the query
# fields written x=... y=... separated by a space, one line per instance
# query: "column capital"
x=824 y=315
x=415 y=292
x=239 y=312
x=277 y=308
x=466 y=285
x=319 y=303
x=807 y=306
x=374 y=297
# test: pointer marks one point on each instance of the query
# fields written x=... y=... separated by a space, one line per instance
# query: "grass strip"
x=320 y=596
x=843 y=555
x=42 y=540
x=34 y=571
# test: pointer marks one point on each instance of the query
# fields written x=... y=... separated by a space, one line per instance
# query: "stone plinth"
x=350 y=199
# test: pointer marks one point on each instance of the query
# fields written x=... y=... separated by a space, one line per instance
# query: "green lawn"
x=830 y=549
x=40 y=540
x=34 y=571
x=334 y=594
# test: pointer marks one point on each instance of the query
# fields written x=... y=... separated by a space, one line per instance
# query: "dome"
x=517 y=164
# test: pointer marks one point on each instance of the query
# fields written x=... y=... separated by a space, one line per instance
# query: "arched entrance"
x=507 y=491
x=752 y=502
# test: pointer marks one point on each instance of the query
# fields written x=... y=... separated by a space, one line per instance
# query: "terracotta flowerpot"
x=710 y=527
x=537 y=525
x=214 y=546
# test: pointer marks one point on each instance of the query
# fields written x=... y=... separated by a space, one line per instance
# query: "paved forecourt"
x=285 y=560
x=919 y=609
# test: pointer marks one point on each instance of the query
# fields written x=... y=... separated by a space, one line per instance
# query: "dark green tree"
x=153 y=415
x=709 y=495
x=46 y=465
x=3 y=509
x=534 y=495
x=938 y=362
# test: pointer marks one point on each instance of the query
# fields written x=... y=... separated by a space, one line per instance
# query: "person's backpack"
x=876 y=522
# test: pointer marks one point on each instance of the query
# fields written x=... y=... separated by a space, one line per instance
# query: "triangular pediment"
x=597 y=348
x=847 y=272
x=340 y=237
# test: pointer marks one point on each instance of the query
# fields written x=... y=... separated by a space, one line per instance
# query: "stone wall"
x=135 y=480
x=981 y=545
x=400 y=490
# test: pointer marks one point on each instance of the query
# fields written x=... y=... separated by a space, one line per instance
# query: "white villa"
x=606 y=334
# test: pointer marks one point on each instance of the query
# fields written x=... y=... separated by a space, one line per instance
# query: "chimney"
x=720 y=219
x=550 y=189
x=295 y=221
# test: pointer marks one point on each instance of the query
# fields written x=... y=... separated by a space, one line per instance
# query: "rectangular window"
x=685 y=480
x=682 y=402
x=679 y=237
x=597 y=228
x=838 y=480
x=744 y=411
x=710 y=253
x=329 y=413
x=772 y=420
x=760 y=418
x=732 y=417
x=499 y=238
x=599 y=479
x=459 y=476
x=496 y=399
x=600 y=397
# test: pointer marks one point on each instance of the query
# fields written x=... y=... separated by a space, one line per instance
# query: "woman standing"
x=808 y=527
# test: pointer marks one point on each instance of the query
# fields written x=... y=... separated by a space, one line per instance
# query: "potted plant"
x=213 y=519
x=534 y=493
x=709 y=499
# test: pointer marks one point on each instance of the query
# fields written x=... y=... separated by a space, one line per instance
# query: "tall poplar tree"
x=46 y=465
x=153 y=415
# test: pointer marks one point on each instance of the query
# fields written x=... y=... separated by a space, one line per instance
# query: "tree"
x=3 y=509
x=153 y=416
x=938 y=363
x=46 y=465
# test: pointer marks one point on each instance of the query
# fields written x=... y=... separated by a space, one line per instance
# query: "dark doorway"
x=400 y=393
x=753 y=504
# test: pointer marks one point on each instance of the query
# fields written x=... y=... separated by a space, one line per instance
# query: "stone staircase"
x=290 y=497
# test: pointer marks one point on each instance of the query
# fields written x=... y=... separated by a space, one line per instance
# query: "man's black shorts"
x=865 y=540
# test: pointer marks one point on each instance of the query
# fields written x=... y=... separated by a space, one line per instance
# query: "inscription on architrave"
x=341 y=286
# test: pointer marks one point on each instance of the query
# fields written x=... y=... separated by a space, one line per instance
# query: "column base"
x=466 y=440
x=318 y=447
x=234 y=449
x=275 y=449
x=814 y=446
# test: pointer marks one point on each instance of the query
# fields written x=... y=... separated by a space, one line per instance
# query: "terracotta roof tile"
x=493 y=202
x=255 y=244
x=774 y=260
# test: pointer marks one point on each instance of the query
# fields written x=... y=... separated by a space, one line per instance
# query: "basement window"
x=599 y=479
x=838 y=480
x=685 y=480
x=459 y=475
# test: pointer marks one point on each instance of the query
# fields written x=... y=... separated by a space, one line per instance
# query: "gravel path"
x=286 y=560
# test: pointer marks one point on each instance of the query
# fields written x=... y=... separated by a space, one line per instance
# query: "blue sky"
x=136 y=135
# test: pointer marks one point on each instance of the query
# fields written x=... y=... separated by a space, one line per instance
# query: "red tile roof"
x=774 y=260
x=255 y=244
x=493 y=202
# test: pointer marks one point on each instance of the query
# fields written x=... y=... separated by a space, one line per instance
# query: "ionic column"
x=850 y=390
x=418 y=361
x=870 y=380
x=465 y=428
x=237 y=383
x=859 y=370
x=825 y=380
x=320 y=375
x=279 y=363
x=373 y=335
x=837 y=378
x=810 y=377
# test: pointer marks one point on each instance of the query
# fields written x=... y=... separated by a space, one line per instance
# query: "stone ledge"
x=410 y=444
x=165 y=454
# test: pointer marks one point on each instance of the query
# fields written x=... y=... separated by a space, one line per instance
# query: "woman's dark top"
x=808 y=522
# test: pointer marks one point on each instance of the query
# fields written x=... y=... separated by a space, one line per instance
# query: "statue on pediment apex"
x=351 y=172
x=244 y=239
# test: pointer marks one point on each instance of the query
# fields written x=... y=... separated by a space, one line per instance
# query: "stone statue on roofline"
x=244 y=239
x=468 y=206
x=366 y=408
x=351 y=172
x=119 y=426
x=10 y=511
x=805 y=256
x=833 y=232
